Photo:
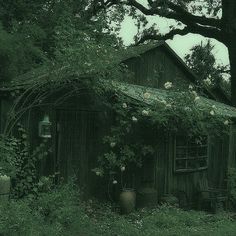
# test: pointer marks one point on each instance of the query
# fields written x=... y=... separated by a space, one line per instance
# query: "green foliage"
x=61 y=212
x=23 y=161
x=179 y=112
x=202 y=62
x=17 y=55
x=7 y=156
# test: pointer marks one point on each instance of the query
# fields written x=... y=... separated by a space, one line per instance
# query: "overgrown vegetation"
x=178 y=111
x=61 y=212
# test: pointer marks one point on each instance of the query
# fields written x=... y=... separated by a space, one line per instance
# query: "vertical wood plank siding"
x=155 y=67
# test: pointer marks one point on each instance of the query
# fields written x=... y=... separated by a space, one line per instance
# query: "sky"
x=180 y=44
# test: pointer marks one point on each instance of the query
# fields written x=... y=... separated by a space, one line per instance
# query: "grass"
x=61 y=212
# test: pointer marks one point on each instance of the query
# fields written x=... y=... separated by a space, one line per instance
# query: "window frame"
x=188 y=159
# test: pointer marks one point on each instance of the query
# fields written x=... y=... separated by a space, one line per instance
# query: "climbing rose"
x=134 y=119
x=226 y=122
x=145 y=112
x=194 y=93
x=124 y=105
x=168 y=85
x=207 y=81
x=112 y=144
x=146 y=95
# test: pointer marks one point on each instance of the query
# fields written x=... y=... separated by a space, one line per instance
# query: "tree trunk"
x=232 y=58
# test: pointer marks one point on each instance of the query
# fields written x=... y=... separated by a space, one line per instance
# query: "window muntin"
x=190 y=154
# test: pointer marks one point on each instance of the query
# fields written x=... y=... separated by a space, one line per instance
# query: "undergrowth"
x=62 y=212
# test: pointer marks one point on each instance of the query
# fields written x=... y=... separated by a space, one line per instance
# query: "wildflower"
x=114 y=182
x=190 y=87
x=168 y=85
x=145 y=112
x=124 y=105
x=112 y=144
x=196 y=98
x=212 y=112
x=134 y=119
x=226 y=122
x=213 y=106
x=146 y=95
x=122 y=168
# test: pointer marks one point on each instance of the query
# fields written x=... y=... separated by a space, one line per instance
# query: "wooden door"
x=76 y=145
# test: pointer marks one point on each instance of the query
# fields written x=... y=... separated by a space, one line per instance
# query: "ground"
x=62 y=212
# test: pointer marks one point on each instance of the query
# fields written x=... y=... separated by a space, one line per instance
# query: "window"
x=190 y=154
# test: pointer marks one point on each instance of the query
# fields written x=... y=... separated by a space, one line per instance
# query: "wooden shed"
x=80 y=121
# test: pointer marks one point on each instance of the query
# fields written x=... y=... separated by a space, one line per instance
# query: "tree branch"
x=195 y=29
x=167 y=36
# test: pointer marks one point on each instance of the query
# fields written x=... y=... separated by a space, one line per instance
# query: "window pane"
x=181 y=152
x=180 y=164
x=191 y=154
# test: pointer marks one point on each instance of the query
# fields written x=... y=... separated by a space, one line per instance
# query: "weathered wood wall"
x=155 y=67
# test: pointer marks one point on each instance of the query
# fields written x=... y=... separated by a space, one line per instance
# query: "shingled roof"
x=137 y=92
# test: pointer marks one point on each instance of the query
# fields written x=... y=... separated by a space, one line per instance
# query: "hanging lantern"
x=45 y=127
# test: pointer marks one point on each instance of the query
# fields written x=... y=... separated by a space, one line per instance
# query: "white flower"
x=134 y=119
x=187 y=109
x=124 y=105
x=194 y=93
x=190 y=87
x=112 y=144
x=163 y=101
x=196 y=98
x=212 y=112
x=168 y=105
x=226 y=122
x=122 y=168
x=146 y=95
x=168 y=85
x=114 y=182
x=4 y=177
x=213 y=106
x=145 y=112
x=98 y=173
x=77 y=15
x=207 y=81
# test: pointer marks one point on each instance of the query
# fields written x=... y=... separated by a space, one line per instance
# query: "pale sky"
x=180 y=44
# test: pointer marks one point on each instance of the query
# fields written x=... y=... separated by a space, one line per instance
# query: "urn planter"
x=127 y=200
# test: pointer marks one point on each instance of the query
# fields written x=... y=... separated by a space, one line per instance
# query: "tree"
x=202 y=62
x=36 y=33
x=210 y=18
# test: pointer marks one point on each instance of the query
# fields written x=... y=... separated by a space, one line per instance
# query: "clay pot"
x=127 y=201
x=5 y=185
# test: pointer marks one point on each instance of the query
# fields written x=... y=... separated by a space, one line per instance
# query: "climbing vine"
x=138 y=124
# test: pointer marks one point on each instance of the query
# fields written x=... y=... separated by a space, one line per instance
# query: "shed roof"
x=137 y=92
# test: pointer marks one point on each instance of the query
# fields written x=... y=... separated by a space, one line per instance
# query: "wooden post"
x=232 y=146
